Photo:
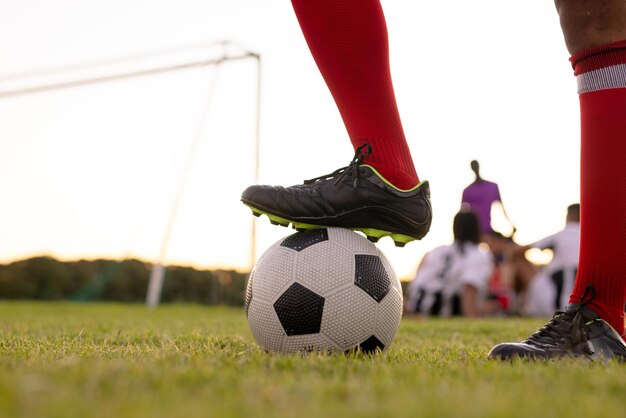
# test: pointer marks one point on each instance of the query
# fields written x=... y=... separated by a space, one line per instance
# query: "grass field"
x=107 y=360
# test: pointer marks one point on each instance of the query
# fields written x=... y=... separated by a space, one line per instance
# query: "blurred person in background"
x=504 y=283
x=480 y=197
x=549 y=288
x=453 y=280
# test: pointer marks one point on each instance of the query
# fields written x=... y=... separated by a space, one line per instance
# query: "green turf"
x=106 y=360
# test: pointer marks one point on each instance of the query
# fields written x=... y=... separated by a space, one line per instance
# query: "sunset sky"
x=93 y=171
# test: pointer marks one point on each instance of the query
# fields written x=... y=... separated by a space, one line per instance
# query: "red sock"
x=601 y=75
x=348 y=40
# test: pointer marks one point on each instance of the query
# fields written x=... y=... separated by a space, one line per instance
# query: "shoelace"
x=361 y=152
x=565 y=325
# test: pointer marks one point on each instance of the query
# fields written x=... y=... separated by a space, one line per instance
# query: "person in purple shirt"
x=479 y=198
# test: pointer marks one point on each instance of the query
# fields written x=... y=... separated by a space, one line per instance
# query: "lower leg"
x=348 y=40
x=595 y=34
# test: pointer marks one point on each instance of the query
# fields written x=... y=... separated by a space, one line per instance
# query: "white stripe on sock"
x=613 y=77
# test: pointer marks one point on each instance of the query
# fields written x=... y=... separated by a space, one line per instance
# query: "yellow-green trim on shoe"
x=389 y=183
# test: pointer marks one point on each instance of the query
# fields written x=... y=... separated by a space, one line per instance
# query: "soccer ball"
x=326 y=289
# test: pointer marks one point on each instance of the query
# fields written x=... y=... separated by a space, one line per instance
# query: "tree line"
x=46 y=278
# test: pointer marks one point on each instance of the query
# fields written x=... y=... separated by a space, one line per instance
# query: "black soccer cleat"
x=576 y=332
x=355 y=197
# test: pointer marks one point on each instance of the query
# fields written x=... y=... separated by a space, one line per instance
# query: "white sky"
x=92 y=172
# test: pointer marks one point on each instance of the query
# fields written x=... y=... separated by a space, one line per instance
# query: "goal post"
x=157 y=275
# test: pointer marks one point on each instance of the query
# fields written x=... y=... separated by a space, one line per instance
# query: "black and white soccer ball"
x=323 y=290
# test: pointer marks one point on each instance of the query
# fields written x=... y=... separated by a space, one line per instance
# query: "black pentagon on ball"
x=370 y=345
x=301 y=240
x=300 y=310
x=371 y=276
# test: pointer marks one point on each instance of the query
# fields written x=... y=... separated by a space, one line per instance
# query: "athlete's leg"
x=383 y=196
x=595 y=35
x=348 y=40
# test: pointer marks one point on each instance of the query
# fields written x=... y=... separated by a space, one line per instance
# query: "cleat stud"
x=274 y=222
x=373 y=239
x=256 y=214
x=401 y=240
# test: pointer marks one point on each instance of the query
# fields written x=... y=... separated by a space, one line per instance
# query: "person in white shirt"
x=550 y=288
x=453 y=279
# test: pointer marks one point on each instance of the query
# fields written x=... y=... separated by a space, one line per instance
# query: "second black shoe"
x=576 y=332
x=356 y=197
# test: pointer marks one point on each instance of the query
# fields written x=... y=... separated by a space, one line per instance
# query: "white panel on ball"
x=328 y=267
x=352 y=241
x=273 y=274
x=389 y=315
x=308 y=343
x=265 y=326
x=349 y=318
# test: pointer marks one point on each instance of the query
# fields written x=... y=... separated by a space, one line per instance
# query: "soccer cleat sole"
x=372 y=234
